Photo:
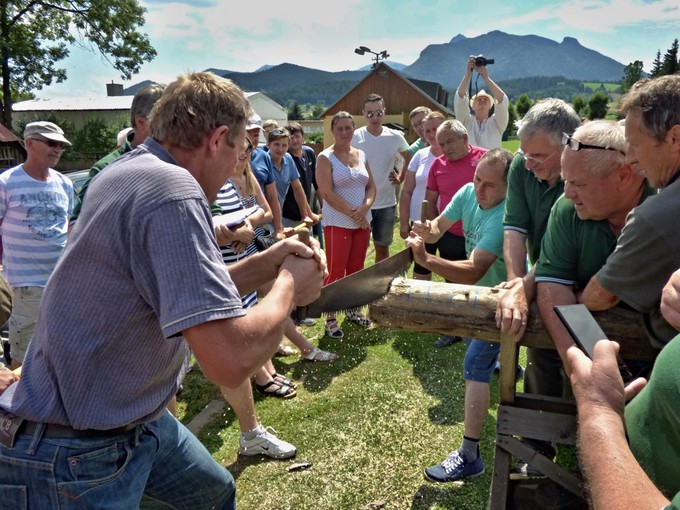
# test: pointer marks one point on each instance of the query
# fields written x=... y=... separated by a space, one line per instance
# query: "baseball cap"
x=482 y=93
x=47 y=130
x=122 y=136
x=254 y=122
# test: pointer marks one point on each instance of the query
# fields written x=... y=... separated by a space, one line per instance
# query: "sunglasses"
x=50 y=143
x=575 y=145
x=279 y=132
x=377 y=113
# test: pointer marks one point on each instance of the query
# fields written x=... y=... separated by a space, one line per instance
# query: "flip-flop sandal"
x=280 y=390
x=317 y=355
x=358 y=318
x=281 y=379
x=333 y=330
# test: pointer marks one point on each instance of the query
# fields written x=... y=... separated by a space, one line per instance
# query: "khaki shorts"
x=22 y=321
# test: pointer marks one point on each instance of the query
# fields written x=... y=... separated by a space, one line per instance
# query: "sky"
x=320 y=34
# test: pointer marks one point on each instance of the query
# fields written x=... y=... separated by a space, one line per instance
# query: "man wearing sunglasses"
x=647 y=252
x=600 y=189
x=35 y=204
x=381 y=145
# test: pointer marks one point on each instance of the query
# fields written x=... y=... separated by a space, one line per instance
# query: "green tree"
x=317 y=110
x=670 y=60
x=656 y=65
x=598 y=106
x=512 y=118
x=579 y=104
x=523 y=104
x=294 y=111
x=631 y=74
x=36 y=35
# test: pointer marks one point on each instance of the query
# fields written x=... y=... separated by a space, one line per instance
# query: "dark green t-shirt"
x=573 y=250
x=528 y=205
x=653 y=422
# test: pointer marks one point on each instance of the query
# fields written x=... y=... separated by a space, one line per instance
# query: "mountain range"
x=515 y=57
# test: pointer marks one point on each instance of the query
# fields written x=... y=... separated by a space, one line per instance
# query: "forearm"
x=458 y=271
x=596 y=297
x=273 y=201
x=464 y=83
x=550 y=295
x=229 y=351
x=405 y=207
x=615 y=479
x=494 y=89
x=515 y=253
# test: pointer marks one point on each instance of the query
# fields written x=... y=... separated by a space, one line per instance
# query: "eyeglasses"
x=50 y=143
x=538 y=162
x=377 y=113
x=575 y=145
x=246 y=151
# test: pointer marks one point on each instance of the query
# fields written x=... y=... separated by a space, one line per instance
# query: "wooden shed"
x=12 y=151
x=401 y=95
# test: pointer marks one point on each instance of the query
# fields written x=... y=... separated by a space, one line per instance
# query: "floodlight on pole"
x=377 y=58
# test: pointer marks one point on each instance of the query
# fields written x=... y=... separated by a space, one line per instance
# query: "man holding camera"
x=484 y=130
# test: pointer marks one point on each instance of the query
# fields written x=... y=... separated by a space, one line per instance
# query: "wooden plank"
x=557 y=473
x=541 y=425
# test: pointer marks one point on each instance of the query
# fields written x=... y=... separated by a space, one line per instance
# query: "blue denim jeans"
x=480 y=359
x=158 y=465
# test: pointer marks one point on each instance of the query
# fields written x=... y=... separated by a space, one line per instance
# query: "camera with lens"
x=481 y=60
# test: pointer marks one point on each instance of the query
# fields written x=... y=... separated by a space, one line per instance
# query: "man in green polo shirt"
x=534 y=185
x=140 y=109
x=600 y=189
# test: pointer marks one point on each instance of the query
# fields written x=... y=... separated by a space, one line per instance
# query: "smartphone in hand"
x=586 y=332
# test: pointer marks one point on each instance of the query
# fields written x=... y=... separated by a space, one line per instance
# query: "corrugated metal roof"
x=7 y=136
x=75 y=104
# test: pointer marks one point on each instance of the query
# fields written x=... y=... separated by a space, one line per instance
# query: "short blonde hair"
x=194 y=105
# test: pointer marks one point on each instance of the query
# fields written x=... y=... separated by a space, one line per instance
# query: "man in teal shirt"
x=480 y=206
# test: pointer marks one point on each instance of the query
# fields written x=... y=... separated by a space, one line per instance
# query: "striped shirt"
x=34 y=224
x=229 y=200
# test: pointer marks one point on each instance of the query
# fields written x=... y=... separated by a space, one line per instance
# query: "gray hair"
x=453 y=126
x=550 y=117
x=603 y=133
x=144 y=100
x=658 y=101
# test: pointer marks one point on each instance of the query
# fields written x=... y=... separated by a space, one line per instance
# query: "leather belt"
x=54 y=430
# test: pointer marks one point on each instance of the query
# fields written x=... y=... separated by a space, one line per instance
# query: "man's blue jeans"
x=159 y=465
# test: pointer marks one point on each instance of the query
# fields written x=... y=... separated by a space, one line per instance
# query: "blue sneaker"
x=454 y=468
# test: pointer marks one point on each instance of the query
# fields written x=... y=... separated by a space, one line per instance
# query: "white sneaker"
x=266 y=443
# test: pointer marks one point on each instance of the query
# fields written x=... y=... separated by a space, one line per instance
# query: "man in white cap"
x=483 y=130
x=35 y=204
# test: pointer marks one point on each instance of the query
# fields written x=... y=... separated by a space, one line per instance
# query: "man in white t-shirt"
x=381 y=144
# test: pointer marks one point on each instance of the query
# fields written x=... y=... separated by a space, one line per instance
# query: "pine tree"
x=656 y=65
x=670 y=60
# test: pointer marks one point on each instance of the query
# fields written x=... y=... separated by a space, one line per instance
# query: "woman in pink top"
x=347 y=190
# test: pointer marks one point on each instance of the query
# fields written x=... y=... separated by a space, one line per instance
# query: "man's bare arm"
x=614 y=477
x=548 y=295
x=596 y=297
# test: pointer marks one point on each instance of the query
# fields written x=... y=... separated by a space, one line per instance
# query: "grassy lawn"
x=368 y=424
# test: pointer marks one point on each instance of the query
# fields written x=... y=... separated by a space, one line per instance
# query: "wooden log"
x=469 y=311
